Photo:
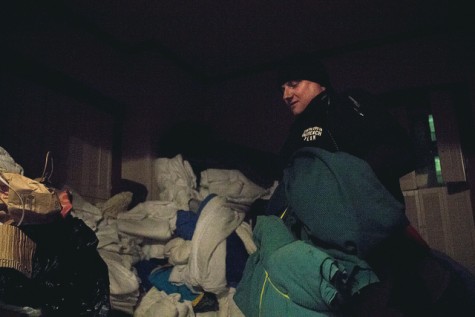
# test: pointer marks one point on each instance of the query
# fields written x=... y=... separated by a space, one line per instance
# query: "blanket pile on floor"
x=201 y=249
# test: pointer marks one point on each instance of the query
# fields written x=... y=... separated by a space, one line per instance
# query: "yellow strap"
x=263 y=288
x=283 y=214
x=262 y=292
x=197 y=299
x=268 y=279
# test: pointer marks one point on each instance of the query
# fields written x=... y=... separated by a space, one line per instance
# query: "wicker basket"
x=16 y=249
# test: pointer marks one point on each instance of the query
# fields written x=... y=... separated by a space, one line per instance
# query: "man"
x=354 y=124
x=350 y=123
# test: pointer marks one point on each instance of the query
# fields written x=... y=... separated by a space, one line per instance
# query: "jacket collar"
x=318 y=104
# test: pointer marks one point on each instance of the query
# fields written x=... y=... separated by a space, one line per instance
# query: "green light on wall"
x=431 y=127
x=438 y=170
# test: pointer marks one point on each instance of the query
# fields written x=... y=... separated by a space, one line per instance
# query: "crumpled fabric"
x=244 y=232
x=178 y=250
x=151 y=219
x=289 y=277
x=85 y=211
x=118 y=250
x=122 y=279
x=341 y=201
x=116 y=204
x=124 y=283
x=8 y=164
x=206 y=267
x=231 y=184
x=158 y=303
x=176 y=180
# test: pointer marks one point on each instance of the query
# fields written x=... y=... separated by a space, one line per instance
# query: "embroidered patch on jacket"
x=310 y=134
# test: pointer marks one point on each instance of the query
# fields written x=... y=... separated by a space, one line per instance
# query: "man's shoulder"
x=360 y=101
x=359 y=96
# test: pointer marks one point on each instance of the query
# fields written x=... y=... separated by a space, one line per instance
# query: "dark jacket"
x=355 y=125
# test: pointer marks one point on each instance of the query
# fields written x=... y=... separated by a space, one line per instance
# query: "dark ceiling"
x=217 y=40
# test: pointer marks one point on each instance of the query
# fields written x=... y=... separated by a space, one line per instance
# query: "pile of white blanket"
x=146 y=231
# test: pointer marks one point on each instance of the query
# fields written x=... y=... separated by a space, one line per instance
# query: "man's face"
x=297 y=94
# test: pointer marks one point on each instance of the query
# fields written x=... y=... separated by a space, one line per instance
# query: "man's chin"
x=295 y=111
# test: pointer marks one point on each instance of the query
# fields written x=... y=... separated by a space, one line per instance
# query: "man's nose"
x=287 y=94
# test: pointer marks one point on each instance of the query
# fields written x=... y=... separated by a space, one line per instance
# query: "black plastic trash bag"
x=69 y=277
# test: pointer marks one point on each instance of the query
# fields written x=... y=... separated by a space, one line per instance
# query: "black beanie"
x=304 y=69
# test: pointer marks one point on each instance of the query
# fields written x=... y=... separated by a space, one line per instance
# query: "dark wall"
x=45 y=64
x=42 y=110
